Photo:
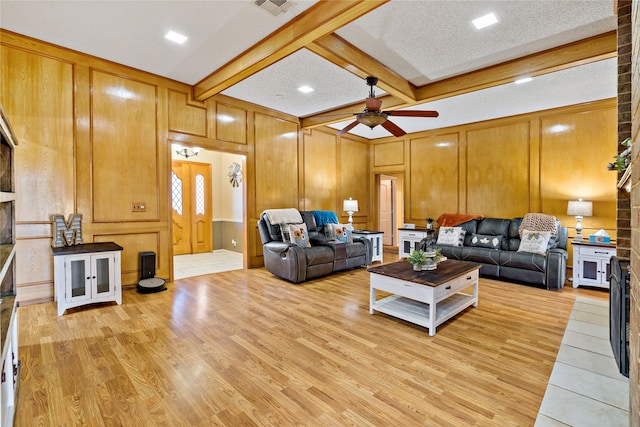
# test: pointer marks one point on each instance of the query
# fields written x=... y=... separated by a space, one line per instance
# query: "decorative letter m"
x=66 y=233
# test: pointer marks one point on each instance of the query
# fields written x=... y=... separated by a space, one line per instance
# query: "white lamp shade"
x=350 y=205
x=580 y=208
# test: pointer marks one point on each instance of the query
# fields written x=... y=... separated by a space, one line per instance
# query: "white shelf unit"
x=9 y=363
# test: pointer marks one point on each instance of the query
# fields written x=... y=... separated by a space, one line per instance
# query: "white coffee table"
x=425 y=298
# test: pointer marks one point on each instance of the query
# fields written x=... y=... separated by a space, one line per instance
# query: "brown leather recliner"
x=297 y=264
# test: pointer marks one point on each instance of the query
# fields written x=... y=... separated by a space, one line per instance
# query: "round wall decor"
x=235 y=174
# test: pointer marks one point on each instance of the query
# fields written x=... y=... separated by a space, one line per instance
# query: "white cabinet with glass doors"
x=87 y=274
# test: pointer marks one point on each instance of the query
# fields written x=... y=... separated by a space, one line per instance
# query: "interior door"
x=386 y=210
x=191 y=207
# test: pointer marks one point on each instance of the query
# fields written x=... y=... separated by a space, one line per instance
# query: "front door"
x=191 y=207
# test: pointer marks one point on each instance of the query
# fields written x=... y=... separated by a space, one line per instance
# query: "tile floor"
x=206 y=263
x=585 y=388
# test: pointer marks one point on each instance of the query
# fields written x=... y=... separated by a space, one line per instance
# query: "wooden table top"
x=446 y=271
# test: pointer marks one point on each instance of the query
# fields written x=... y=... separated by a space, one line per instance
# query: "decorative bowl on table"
x=430 y=265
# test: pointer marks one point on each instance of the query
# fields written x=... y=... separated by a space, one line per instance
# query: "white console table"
x=86 y=274
x=376 y=242
x=591 y=263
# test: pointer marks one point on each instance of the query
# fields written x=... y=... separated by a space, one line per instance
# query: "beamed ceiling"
x=426 y=54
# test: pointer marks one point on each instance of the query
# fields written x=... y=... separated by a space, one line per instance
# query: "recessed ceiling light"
x=523 y=80
x=485 y=21
x=305 y=89
x=175 y=37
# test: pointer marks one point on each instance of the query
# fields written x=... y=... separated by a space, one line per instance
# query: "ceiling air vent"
x=274 y=7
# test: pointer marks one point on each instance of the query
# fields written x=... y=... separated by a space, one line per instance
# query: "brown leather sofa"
x=326 y=255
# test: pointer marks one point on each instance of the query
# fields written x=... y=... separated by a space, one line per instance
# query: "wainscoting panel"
x=224 y=232
x=353 y=170
x=388 y=154
x=433 y=176
x=42 y=116
x=34 y=262
x=573 y=164
x=186 y=116
x=124 y=132
x=497 y=170
x=132 y=245
x=231 y=123
x=320 y=170
x=276 y=164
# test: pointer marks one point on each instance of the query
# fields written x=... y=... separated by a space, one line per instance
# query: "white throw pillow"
x=299 y=235
x=450 y=236
x=341 y=232
x=534 y=241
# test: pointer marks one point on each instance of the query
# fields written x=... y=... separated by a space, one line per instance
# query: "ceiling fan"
x=372 y=116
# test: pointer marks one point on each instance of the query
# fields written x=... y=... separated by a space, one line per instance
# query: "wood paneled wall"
x=507 y=167
x=95 y=138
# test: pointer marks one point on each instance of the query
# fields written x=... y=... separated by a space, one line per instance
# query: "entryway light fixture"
x=579 y=208
x=186 y=152
x=350 y=206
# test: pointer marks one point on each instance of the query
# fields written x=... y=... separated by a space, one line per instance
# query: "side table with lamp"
x=591 y=257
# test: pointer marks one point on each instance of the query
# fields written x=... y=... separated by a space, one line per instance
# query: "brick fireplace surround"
x=628 y=211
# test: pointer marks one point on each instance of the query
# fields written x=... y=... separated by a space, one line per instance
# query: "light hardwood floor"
x=243 y=348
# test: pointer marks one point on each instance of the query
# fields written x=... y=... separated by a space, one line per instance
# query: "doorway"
x=223 y=196
x=390 y=212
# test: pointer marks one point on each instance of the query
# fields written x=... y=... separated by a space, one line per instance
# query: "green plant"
x=438 y=255
x=623 y=159
x=417 y=257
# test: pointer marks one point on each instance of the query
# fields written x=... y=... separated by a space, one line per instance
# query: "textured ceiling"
x=422 y=41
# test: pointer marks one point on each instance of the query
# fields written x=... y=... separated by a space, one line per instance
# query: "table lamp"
x=350 y=206
x=579 y=208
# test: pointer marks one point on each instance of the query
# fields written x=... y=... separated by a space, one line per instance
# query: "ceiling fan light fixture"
x=372 y=118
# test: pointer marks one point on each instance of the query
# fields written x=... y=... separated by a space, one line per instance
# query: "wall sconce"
x=186 y=152
x=350 y=206
x=579 y=208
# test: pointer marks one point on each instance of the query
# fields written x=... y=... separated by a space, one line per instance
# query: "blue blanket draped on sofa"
x=325 y=217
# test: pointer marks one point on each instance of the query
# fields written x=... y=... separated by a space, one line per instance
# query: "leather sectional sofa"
x=548 y=270
x=326 y=255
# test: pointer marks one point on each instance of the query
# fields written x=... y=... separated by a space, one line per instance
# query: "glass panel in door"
x=102 y=276
x=78 y=279
x=590 y=270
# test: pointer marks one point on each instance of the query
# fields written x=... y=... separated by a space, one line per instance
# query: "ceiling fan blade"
x=348 y=127
x=393 y=128
x=413 y=113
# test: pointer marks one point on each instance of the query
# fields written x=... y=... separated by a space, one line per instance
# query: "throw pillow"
x=486 y=241
x=534 y=241
x=299 y=235
x=341 y=232
x=450 y=236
